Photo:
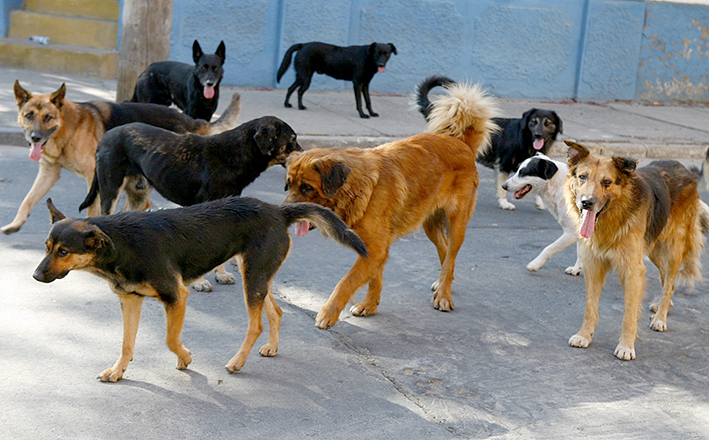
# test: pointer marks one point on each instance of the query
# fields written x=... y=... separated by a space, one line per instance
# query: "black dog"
x=156 y=254
x=353 y=63
x=194 y=89
x=517 y=140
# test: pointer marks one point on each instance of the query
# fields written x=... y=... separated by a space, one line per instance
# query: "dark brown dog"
x=156 y=254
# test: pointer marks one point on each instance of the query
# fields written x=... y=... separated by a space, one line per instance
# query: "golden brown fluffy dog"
x=625 y=214
x=429 y=179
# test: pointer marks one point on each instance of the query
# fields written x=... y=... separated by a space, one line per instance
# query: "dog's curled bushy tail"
x=421 y=100
x=329 y=224
x=465 y=112
x=229 y=118
x=286 y=60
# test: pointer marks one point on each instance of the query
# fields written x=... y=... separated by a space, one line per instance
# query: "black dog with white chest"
x=194 y=89
x=517 y=140
x=353 y=63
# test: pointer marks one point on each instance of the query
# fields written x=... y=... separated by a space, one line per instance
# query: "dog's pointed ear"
x=97 y=239
x=625 y=165
x=265 y=138
x=559 y=124
x=332 y=176
x=576 y=153
x=54 y=213
x=57 y=98
x=196 y=51
x=221 y=51
x=393 y=49
x=21 y=95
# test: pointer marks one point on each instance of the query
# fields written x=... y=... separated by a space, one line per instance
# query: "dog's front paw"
x=579 y=341
x=374 y=115
x=443 y=303
x=113 y=374
x=434 y=286
x=287 y=105
x=624 y=353
x=10 y=229
x=184 y=360
x=326 y=318
x=363 y=116
x=504 y=204
x=268 y=350
x=224 y=278
x=535 y=265
x=573 y=270
x=202 y=285
x=657 y=324
x=363 y=309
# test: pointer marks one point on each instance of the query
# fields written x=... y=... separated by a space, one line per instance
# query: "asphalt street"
x=498 y=366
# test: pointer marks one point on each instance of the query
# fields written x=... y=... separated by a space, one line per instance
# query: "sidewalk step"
x=58 y=58
x=62 y=29
x=102 y=9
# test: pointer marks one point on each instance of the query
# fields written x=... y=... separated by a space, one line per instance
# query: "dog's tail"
x=286 y=60
x=420 y=97
x=326 y=221
x=703 y=184
x=228 y=119
x=465 y=113
x=91 y=196
x=691 y=270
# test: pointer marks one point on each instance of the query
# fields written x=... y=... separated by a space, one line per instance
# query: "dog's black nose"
x=35 y=137
x=504 y=186
x=588 y=203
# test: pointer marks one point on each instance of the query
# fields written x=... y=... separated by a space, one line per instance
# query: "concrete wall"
x=589 y=50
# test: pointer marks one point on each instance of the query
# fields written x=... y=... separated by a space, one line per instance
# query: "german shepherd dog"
x=429 y=179
x=156 y=254
x=64 y=134
x=193 y=88
x=517 y=139
x=188 y=169
x=625 y=214
x=352 y=63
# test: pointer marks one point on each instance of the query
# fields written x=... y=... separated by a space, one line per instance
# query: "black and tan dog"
x=156 y=254
x=352 y=63
x=193 y=88
x=625 y=214
x=188 y=169
x=517 y=139
x=64 y=134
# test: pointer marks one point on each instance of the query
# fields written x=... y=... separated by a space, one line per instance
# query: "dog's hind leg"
x=46 y=178
x=668 y=261
x=290 y=91
x=457 y=223
x=367 y=100
x=273 y=314
x=434 y=227
x=358 y=100
x=175 y=314
x=221 y=276
x=130 y=310
x=595 y=274
x=304 y=85
x=500 y=179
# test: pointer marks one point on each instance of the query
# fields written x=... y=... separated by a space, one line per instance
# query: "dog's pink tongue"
x=588 y=222
x=36 y=151
x=381 y=69
x=302 y=228
x=208 y=92
x=538 y=144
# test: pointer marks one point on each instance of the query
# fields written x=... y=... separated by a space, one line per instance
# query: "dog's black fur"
x=156 y=254
x=189 y=169
x=353 y=63
x=185 y=85
x=514 y=142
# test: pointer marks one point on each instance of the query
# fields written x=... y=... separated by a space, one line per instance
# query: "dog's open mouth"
x=209 y=92
x=302 y=228
x=523 y=192
x=538 y=144
x=36 y=150
x=588 y=222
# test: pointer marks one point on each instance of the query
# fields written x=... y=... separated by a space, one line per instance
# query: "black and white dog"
x=193 y=88
x=517 y=139
x=545 y=177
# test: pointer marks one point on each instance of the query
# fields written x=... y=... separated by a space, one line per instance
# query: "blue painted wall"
x=5 y=7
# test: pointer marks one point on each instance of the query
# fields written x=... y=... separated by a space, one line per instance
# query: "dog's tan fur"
x=628 y=229
x=383 y=193
x=74 y=130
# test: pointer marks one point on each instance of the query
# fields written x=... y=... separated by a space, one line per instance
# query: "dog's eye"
x=305 y=189
x=582 y=177
x=548 y=123
x=61 y=252
x=606 y=183
x=48 y=118
x=29 y=116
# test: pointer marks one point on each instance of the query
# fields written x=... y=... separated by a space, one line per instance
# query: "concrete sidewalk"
x=331 y=119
